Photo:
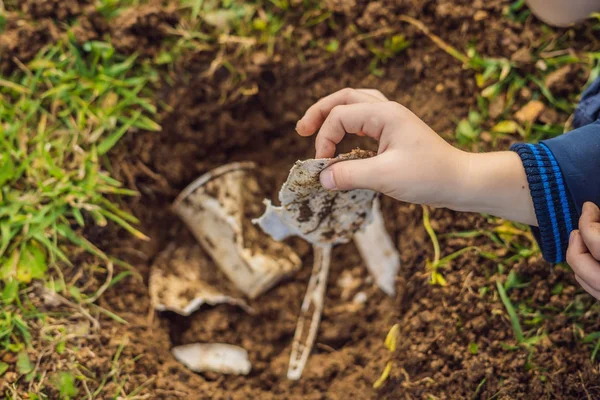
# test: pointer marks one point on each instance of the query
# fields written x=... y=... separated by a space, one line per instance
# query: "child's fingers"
x=368 y=118
x=355 y=174
x=589 y=225
x=318 y=112
x=374 y=93
x=588 y=288
x=582 y=262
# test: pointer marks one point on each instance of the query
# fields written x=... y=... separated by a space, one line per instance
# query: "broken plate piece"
x=217 y=207
x=318 y=215
x=312 y=308
x=378 y=251
x=216 y=357
x=183 y=278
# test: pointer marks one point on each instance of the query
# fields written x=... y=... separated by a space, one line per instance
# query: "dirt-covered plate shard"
x=318 y=215
x=183 y=278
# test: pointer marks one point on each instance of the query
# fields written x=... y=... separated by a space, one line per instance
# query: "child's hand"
x=584 y=250
x=413 y=163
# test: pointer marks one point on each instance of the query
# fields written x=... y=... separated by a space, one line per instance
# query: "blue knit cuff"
x=554 y=209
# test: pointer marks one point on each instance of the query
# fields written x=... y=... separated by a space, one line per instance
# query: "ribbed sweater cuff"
x=554 y=209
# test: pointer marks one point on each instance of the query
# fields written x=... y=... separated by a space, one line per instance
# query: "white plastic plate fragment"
x=183 y=278
x=217 y=208
x=378 y=251
x=215 y=357
x=311 y=310
x=314 y=213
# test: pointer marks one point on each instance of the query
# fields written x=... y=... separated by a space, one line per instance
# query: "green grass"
x=59 y=116
x=112 y=8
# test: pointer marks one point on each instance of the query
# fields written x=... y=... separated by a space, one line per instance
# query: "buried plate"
x=216 y=208
x=378 y=251
x=183 y=277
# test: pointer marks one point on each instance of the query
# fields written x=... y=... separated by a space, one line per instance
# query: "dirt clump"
x=22 y=40
x=143 y=28
x=60 y=10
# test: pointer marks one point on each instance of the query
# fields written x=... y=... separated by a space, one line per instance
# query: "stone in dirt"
x=216 y=357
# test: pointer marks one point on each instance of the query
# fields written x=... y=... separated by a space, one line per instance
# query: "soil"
x=452 y=339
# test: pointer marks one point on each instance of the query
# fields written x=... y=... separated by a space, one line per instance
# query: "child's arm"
x=543 y=185
x=413 y=163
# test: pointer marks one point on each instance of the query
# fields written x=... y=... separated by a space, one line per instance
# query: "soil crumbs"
x=454 y=340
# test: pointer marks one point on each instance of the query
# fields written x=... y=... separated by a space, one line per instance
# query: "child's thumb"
x=353 y=174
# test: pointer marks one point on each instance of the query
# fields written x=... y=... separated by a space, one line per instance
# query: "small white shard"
x=318 y=215
x=378 y=251
x=183 y=278
x=215 y=357
x=312 y=308
x=216 y=208
x=360 y=298
x=348 y=284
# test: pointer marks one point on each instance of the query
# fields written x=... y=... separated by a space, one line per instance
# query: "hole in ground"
x=198 y=135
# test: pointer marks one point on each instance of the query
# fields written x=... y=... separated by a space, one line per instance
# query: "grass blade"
x=514 y=319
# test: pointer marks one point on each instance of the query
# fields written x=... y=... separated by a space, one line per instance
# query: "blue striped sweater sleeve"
x=554 y=208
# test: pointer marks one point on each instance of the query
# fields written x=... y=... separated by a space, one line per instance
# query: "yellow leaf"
x=530 y=112
x=438 y=279
x=392 y=338
x=384 y=375
x=490 y=91
x=32 y=264
x=508 y=228
x=428 y=265
x=507 y=126
x=479 y=80
x=41 y=64
x=8 y=269
x=506 y=67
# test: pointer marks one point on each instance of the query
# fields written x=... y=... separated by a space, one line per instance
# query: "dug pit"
x=211 y=122
x=353 y=324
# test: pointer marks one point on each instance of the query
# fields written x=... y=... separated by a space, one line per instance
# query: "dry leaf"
x=557 y=76
x=530 y=112
x=506 y=127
